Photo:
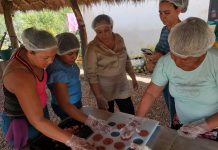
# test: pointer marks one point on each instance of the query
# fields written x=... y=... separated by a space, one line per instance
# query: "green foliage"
x=52 y=21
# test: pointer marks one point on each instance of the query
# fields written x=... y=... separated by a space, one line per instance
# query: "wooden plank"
x=7 y=6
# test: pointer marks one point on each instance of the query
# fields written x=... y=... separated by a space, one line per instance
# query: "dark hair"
x=66 y=42
x=102 y=18
x=170 y=3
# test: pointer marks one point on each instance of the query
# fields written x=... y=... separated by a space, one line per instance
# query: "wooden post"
x=7 y=6
x=81 y=24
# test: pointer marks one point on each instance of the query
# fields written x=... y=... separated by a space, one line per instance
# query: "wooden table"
x=164 y=138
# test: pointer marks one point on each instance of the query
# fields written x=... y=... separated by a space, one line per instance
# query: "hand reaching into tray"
x=132 y=127
x=77 y=143
x=139 y=147
x=194 y=129
x=98 y=125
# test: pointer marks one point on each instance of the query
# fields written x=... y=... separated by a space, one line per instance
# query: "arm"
x=151 y=93
x=160 y=50
x=152 y=60
x=130 y=71
x=61 y=94
x=91 y=74
x=101 y=100
x=212 y=121
x=31 y=105
x=198 y=127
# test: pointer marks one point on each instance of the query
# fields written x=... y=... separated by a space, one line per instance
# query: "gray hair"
x=38 y=40
x=192 y=37
x=183 y=4
x=67 y=42
x=102 y=19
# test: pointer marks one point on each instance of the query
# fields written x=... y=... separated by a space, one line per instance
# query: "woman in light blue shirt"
x=64 y=73
x=192 y=72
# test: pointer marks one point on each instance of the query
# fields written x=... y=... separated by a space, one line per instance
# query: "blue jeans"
x=60 y=113
x=170 y=103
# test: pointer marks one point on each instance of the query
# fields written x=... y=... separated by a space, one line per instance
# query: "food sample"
x=100 y=148
x=120 y=125
x=107 y=141
x=143 y=133
x=97 y=137
x=119 y=145
x=126 y=139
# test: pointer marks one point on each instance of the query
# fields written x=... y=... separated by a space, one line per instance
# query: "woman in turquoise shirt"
x=190 y=68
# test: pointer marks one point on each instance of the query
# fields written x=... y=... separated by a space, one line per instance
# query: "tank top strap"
x=26 y=64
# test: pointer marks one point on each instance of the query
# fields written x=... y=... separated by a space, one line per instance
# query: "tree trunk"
x=81 y=24
x=7 y=5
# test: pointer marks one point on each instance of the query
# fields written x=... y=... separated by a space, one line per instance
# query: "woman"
x=64 y=78
x=190 y=68
x=106 y=64
x=169 y=11
x=24 y=82
x=64 y=83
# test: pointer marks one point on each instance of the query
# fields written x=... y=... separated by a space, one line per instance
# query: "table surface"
x=164 y=138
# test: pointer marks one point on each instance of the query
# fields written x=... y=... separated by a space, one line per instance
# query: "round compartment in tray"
x=119 y=145
x=107 y=141
x=143 y=133
x=97 y=137
x=120 y=125
x=138 y=141
x=100 y=148
x=115 y=134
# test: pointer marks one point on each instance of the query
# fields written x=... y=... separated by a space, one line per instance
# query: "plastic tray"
x=120 y=119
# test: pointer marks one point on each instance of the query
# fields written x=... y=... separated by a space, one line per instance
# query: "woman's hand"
x=77 y=143
x=135 y=84
x=132 y=127
x=150 y=66
x=102 y=102
x=154 y=57
x=152 y=60
x=98 y=125
x=194 y=129
x=139 y=147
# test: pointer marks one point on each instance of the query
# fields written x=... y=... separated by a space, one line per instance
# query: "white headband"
x=66 y=52
x=102 y=25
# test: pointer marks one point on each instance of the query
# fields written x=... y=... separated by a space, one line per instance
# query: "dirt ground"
x=157 y=112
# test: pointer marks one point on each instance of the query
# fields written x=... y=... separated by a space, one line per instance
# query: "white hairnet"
x=102 y=20
x=183 y=4
x=67 y=42
x=191 y=37
x=38 y=40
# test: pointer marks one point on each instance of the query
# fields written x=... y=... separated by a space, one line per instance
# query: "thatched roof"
x=25 y=5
